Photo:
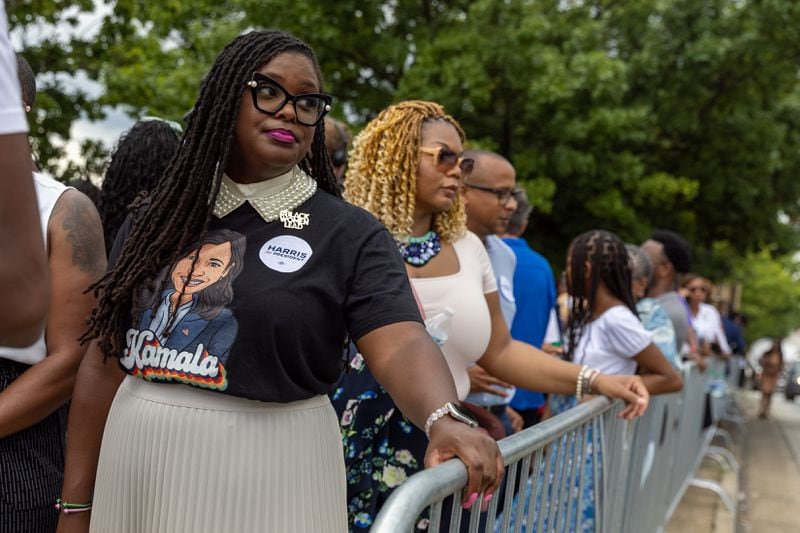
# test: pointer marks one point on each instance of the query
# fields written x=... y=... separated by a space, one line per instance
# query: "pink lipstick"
x=281 y=135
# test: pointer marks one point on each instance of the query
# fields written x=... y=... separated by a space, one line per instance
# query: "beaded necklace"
x=418 y=251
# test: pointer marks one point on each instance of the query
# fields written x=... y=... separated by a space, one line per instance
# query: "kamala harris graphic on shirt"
x=185 y=330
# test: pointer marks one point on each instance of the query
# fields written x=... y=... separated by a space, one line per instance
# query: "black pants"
x=31 y=468
x=530 y=417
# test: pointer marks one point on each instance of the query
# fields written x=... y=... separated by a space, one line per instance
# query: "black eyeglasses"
x=269 y=97
x=503 y=195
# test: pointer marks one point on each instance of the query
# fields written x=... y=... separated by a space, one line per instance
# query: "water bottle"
x=438 y=326
x=487 y=399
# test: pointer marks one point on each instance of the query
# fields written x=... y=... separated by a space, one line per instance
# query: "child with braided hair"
x=604 y=332
x=201 y=404
x=406 y=168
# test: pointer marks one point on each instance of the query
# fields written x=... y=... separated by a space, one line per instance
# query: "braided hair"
x=611 y=265
x=382 y=171
x=181 y=207
x=137 y=164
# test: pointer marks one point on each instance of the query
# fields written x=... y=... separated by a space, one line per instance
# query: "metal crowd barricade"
x=639 y=472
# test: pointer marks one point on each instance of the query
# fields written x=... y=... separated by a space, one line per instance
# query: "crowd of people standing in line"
x=255 y=263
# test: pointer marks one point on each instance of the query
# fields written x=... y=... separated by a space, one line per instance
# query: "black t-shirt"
x=266 y=309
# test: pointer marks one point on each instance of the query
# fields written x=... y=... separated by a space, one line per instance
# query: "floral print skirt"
x=382 y=448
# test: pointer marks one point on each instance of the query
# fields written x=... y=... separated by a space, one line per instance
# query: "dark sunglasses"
x=269 y=97
x=445 y=159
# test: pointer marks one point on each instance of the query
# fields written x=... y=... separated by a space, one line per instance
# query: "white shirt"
x=610 y=342
x=708 y=326
x=12 y=115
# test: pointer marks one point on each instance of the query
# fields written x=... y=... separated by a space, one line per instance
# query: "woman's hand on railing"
x=630 y=389
x=478 y=451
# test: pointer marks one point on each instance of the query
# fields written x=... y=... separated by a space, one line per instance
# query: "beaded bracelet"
x=69 y=508
x=579 y=383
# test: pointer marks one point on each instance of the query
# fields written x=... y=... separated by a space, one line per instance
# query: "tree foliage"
x=632 y=115
x=771 y=291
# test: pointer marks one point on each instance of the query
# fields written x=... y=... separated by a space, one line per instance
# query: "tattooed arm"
x=77 y=258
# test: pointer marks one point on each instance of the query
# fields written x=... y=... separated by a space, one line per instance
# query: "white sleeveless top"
x=465 y=293
x=48 y=191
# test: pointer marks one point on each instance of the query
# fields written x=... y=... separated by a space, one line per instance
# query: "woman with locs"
x=406 y=168
x=249 y=443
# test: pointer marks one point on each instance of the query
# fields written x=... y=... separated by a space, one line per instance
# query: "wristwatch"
x=455 y=411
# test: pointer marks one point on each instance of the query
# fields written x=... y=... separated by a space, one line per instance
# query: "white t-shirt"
x=463 y=292
x=610 y=341
x=708 y=326
x=12 y=116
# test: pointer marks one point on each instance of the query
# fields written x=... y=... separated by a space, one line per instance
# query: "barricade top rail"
x=425 y=488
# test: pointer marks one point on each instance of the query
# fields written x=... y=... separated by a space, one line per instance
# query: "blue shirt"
x=535 y=295
x=733 y=332
x=656 y=321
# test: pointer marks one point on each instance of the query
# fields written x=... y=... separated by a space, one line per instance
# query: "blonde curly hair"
x=382 y=169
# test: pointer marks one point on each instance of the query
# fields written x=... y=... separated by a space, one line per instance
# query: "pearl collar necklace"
x=301 y=187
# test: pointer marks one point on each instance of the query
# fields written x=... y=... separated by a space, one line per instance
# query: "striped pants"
x=31 y=468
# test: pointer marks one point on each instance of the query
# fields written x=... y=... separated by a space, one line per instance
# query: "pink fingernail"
x=470 y=500
x=488 y=498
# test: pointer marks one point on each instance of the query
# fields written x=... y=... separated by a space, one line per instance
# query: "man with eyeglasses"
x=489 y=200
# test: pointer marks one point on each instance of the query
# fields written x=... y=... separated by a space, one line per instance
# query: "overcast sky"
x=116 y=122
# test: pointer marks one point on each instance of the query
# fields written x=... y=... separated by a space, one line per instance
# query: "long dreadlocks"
x=610 y=264
x=181 y=207
x=137 y=164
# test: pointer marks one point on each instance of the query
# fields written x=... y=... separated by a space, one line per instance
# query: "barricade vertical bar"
x=511 y=475
x=519 y=493
x=455 y=514
x=556 y=483
x=534 y=484
x=475 y=514
x=435 y=517
x=566 y=488
x=548 y=459
x=597 y=436
x=577 y=467
x=585 y=429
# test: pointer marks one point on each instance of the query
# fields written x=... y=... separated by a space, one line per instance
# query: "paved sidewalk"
x=768 y=486
x=771 y=472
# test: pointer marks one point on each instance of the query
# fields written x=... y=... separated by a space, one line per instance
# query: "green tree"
x=633 y=115
x=56 y=59
x=770 y=295
x=629 y=115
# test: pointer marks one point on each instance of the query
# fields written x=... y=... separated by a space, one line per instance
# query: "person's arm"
x=77 y=259
x=660 y=377
x=405 y=360
x=24 y=281
x=530 y=368
x=95 y=387
x=24 y=278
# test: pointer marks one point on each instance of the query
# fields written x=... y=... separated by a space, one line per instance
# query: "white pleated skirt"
x=175 y=459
